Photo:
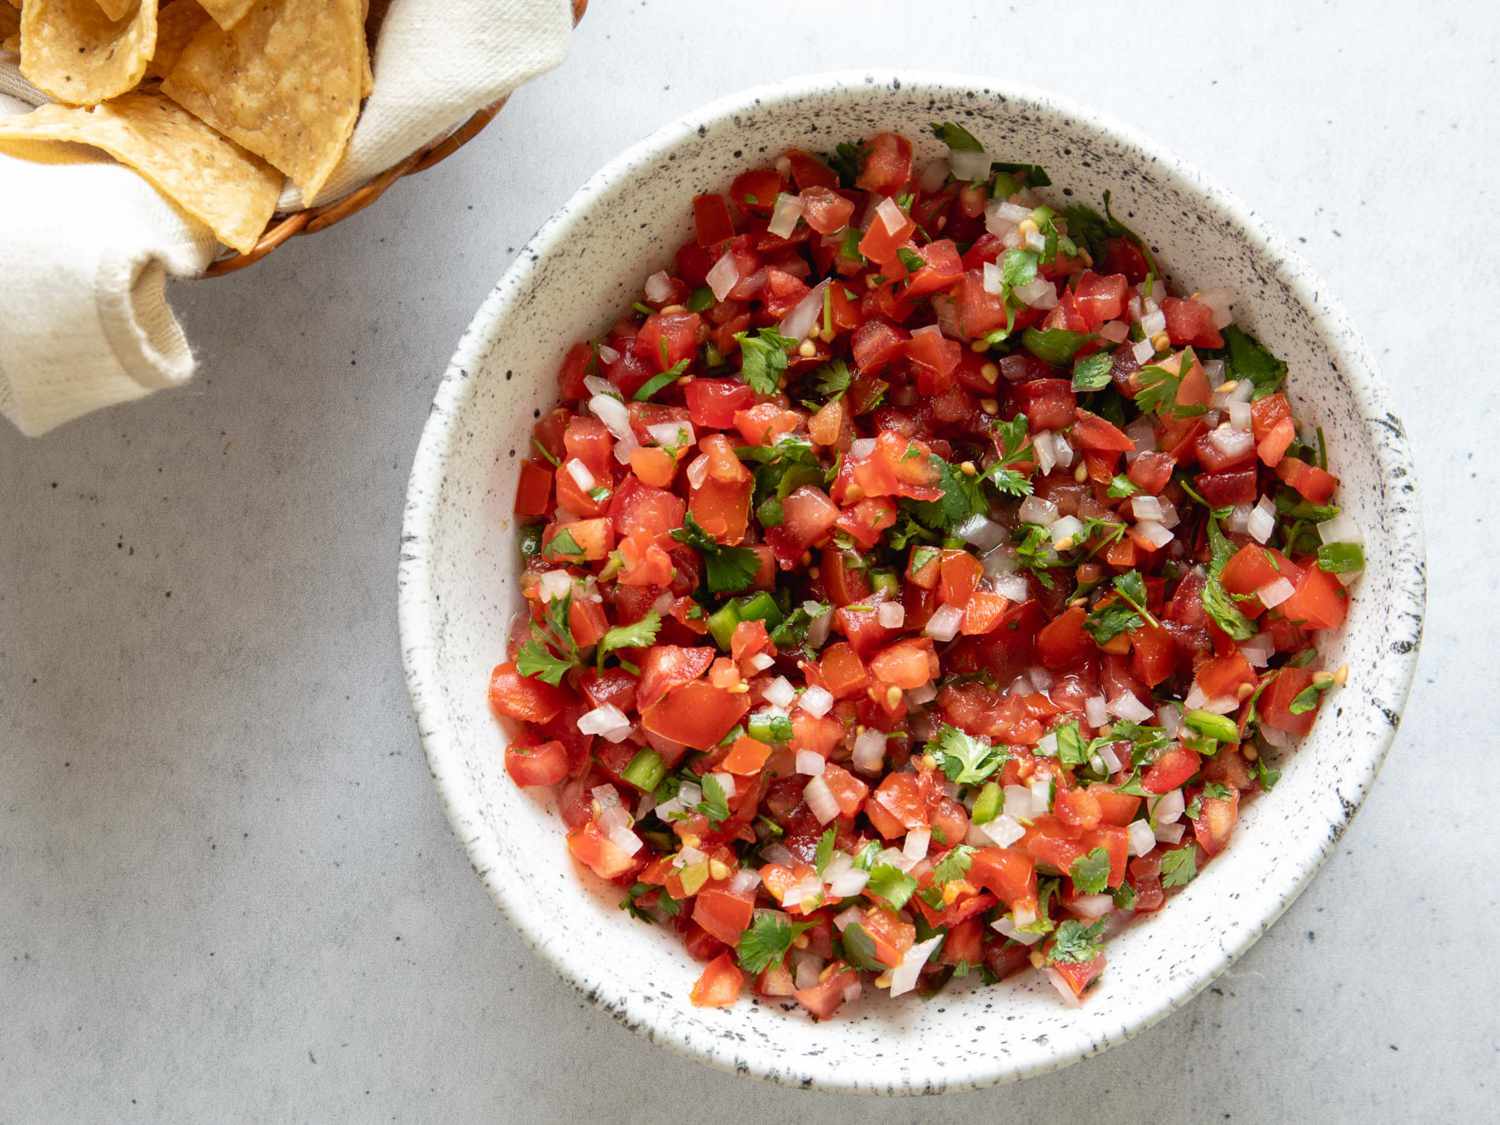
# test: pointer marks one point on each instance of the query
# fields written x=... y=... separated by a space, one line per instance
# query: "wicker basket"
x=313 y=219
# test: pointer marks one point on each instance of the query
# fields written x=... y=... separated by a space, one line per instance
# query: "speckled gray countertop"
x=227 y=890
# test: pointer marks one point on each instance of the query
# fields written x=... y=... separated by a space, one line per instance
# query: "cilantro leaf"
x=1122 y=487
x=1090 y=873
x=538 y=658
x=1035 y=174
x=1075 y=943
x=533 y=659
x=1307 y=699
x=1159 y=388
x=1226 y=615
x=891 y=884
x=961 y=498
x=910 y=259
x=1018 y=268
x=1071 y=749
x=1093 y=373
x=1105 y=624
x=956 y=137
x=562 y=545
x=792 y=632
x=715 y=802
x=766 y=941
x=1179 y=867
x=638 y=634
x=965 y=759
x=1132 y=587
x=846 y=160
x=727 y=569
x=665 y=379
x=763 y=357
x=831 y=380
x=1249 y=359
x=1053 y=345
x=825 y=850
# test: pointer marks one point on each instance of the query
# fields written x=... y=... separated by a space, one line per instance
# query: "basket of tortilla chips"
x=217 y=103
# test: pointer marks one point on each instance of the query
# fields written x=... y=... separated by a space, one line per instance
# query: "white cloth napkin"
x=86 y=245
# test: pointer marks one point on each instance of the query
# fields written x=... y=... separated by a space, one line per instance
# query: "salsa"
x=916 y=585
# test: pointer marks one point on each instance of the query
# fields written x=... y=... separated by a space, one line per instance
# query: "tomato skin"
x=1151 y=471
x=1064 y=641
x=1145 y=877
x=1223 y=675
x=711 y=221
x=695 y=714
x=521 y=697
x=667 y=666
x=1216 y=820
x=1318 y=601
x=887 y=164
x=720 y=984
x=1190 y=322
x=1236 y=486
x=1276 y=701
x=1050 y=404
x=534 y=490
x=960 y=573
x=1100 y=299
x=1077 y=975
x=546 y=764
x=1252 y=567
x=1316 y=485
x=1115 y=807
x=755 y=191
x=592 y=848
x=721 y=913
x=827 y=996
x=1093 y=432
x=941 y=269
x=1170 y=771
x=875 y=344
x=713 y=402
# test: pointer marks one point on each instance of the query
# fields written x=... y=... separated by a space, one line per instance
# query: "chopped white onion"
x=1012 y=212
x=1047 y=745
x=1238 y=520
x=1109 y=759
x=819 y=627
x=663 y=603
x=1242 y=391
x=969 y=165
x=1142 y=837
x=1040 y=678
x=597 y=384
x=1170 y=717
x=1039 y=293
x=1218 y=302
x=1116 y=331
x=994 y=279
x=1063 y=988
x=1169 y=517
x=1239 y=416
x=658 y=286
x=608 y=721
x=1036 y=240
x=1034 y=509
x=1065 y=532
x=853 y=991
x=924 y=694
x=1277 y=738
x=982 y=532
x=1341 y=529
x=1272 y=594
x=810 y=762
x=697 y=470
x=943 y=625
x=1041 y=443
x=1143 y=432
x=1012 y=587
x=890 y=215
x=726 y=782
x=784 y=218
x=816 y=701
x=809 y=967
x=555 y=584
x=869 y=750
x=1153 y=320
x=847 y=881
x=904 y=976
x=1041 y=795
x=1146 y=508
x=809 y=888
x=723 y=276
x=779 y=692
x=624 y=839
x=1018 y=803
x=1007 y=927
x=1230 y=442
x=1126 y=706
x=1062 y=451
x=1170 y=833
x=672 y=433
x=779 y=853
x=890 y=614
x=804 y=315
x=1168 y=808
x=1096 y=711
x=933 y=176
x=614 y=414
x=1153 y=533
x=1143 y=351
x=1217 y=705
x=580 y=473
x=761 y=661
x=1258 y=650
x=917 y=841
x=1005 y=829
x=861 y=448
x=847 y=916
x=1092 y=906
x=743 y=881
x=820 y=800
x=1261 y=521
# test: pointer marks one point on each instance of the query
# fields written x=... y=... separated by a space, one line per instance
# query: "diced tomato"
x=825 y=210
x=713 y=402
x=1316 y=485
x=756 y=190
x=1272 y=448
x=1115 y=807
x=592 y=848
x=1215 y=821
x=1228 y=488
x=747 y=756
x=941 y=269
x=666 y=339
x=827 y=996
x=696 y=714
x=1276 y=701
x=1151 y=471
x=844 y=673
x=983 y=613
x=534 y=490
x=1050 y=404
x=1223 y=675
x=978 y=311
x=1170 y=771
x=1100 y=299
x=522 y=697
x=959 y=575
x=887 y=164
x=882 y=241
x=711 y=221
x=1190 y=322
x=935 y=358
x=720 y=984
x=722 y=913
x=667 y=666
x=908 y=664
x=1093 y=432
x=1318 y=601
x=1076 y=976
x=546 y=764
x=1064 y=641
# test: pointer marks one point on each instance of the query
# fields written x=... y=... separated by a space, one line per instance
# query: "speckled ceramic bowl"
x=458 y=590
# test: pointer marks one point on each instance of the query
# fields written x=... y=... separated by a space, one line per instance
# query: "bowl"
x=457 y=586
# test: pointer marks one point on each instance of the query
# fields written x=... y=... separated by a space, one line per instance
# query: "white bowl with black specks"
x=459 y=565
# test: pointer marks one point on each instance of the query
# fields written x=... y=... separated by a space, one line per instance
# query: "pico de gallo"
x=916 y=584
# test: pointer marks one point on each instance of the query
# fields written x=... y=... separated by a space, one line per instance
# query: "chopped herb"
x=562 y=545
x=551 y=652
x=534 y=660
x=1006 y=480
x=1132 y=587
x=825 y=850
x=702 y=299
x=767 y=940
x=715 y=803
x=1124 y=896
x=1122 y=487
x=1093 y=373
x=1053 y=345
x=763 y=357
x=1307 y=699
x=831 y=380
x=1179 y=867
x=1090 y=873
x=727 y=569
x=1071 y=749
x=891 y=884
x=1105 y=624
x=910 y=259
x=657 y=382
x=1075 y=943
x=1018 y=268
x=546 y=453
x=1247 y=358
x=1226 y=615
x=1159 y=388
x=965 y=759
x=638 y=634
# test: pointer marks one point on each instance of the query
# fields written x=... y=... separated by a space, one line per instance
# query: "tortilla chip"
x=209 y=177
x=284 y=82
x=10 y=28
x=176 y=24
x=116 y=10
x=227 y=13
x=74 y=52
x=366 y=71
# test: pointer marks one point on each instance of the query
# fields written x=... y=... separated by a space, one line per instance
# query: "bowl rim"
x=418 y=624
